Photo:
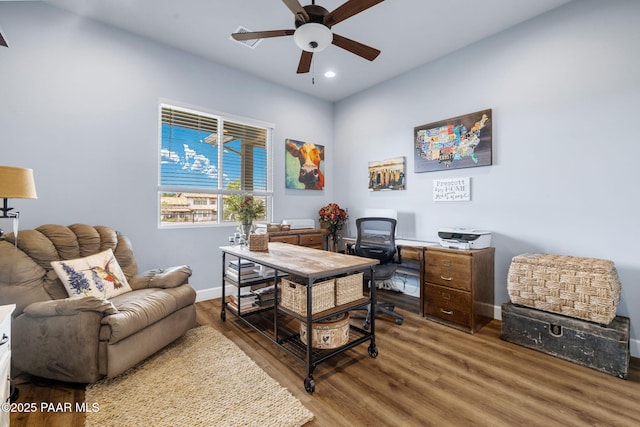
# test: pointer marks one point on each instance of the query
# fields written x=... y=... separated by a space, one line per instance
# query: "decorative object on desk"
x=387 y=174
x=259 y=241
x=274 y=227
x=459 y=142
x=245 y=208
x=202 y=378
x=15 y=183
x=329 y=333
x=304 y=165
x=333 y=218
x=452 y=190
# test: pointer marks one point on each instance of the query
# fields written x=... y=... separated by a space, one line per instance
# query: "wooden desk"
x=311 y=264
x=409 y=249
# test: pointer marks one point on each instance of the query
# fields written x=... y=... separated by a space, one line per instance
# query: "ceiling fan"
x=313 y=30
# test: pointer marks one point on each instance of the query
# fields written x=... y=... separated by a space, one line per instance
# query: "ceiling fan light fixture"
x=313 y=37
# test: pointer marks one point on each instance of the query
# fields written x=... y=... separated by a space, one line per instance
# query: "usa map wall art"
x=459 y=142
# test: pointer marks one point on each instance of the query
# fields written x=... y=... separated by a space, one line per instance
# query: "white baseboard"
x=206 y=294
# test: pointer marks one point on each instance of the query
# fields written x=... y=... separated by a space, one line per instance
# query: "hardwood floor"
x=425 y=374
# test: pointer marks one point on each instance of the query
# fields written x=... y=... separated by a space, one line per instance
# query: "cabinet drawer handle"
x=446 y=278
x=447 y=312
x=4 y=340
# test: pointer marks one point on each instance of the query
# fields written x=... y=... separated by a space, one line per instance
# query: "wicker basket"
x=327 y=334
x=584 y=288
x=348 y=288
x=259 y=242
x=294 y=295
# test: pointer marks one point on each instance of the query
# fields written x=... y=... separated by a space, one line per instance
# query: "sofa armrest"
x=162 y=278
x=69 y=307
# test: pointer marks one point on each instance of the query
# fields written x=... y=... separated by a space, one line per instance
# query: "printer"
x=464 y=238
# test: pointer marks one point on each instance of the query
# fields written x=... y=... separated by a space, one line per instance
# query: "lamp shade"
x=313 y=37
x=17 y=183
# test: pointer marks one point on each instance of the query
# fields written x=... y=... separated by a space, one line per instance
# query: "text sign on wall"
x=452 y=190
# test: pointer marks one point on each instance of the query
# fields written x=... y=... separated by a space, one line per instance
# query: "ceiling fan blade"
x=347 y=10
x=262 y=34
x=3 y=42
x=297 y=9
x=305 y=62
x=353 y=46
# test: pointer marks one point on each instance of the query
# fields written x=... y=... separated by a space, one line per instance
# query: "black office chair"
x=376 y=239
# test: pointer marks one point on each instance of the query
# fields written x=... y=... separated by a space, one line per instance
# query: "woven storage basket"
x=327 y=334
x=259 y=242
x=348 y=288
x=584 y=288
x=294 y=295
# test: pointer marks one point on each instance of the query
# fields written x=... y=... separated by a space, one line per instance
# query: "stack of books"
x=255 y=299
x=246 y=303
x=242 y=269
x=245 y=299
x=266 y=296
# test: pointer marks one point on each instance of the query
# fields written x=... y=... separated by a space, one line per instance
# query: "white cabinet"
x=5 y=359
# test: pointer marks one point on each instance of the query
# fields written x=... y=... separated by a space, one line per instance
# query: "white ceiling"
x=408 y=32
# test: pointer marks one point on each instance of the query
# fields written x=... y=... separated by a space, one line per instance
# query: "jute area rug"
x=202 y=379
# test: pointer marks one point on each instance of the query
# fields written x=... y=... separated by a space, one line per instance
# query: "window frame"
x=219 y=192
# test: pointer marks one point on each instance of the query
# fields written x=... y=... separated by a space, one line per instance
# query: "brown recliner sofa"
x=86 y=339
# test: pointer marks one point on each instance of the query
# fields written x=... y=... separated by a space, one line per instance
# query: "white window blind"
x=204 y=158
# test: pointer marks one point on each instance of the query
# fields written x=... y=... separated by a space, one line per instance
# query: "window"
x=198 y=173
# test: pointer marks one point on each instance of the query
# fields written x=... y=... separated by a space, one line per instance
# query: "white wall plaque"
x=452 y=190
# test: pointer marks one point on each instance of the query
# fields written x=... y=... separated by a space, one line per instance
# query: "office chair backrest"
x=376 y=238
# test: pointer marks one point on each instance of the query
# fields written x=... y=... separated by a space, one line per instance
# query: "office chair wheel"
x=366 y=324
x=309 y=384
x=398 y=321
x=373 y=351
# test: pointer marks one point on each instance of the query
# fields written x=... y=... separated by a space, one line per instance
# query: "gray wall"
x=564 y=89
x=79 y=105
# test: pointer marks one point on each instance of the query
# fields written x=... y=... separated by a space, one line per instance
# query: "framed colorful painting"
x=304 y=165
x=387 y=174
x=455 y=143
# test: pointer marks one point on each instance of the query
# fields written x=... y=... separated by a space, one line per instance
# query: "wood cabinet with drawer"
x=309 y=237
x=458 y=287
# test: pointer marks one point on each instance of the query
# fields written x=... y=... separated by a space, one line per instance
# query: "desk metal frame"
x=313 y=265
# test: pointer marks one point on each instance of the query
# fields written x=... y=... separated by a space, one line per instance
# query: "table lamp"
x=15 y=183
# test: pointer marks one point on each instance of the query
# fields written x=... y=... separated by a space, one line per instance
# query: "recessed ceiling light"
x=330 y=74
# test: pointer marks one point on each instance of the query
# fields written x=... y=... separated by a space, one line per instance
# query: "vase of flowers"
x=245 y=209
x=333 y=218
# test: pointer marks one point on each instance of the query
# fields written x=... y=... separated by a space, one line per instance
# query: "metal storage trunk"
x=584 y=288
x=604 y=348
